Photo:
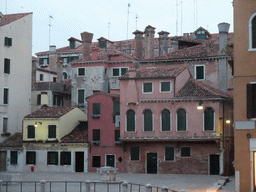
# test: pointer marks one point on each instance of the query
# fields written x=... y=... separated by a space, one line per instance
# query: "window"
x=135 y=153
x=6 y=95
x=199 y=72
x=52 y=158
x=96 y=161
x=185 y=152
x=65 y=75
x=31 y=157
x=252 y=32
x=8 y=41
x=165 y=87
x=54 y=79
x=80 y=97
x=72 y=44
x=44 y=61
x=169 y=153
x=117 y=72
x=52 y=131
x=96 y=108
x=251 y=100
x=96 y=135
x=81 y=72
x=208 y=119
x=41 y=77
x=5 y=125
x=117 y=135
x=130 y=120
x=38 y=99
x=65 y=158
x=147 y=88
x=116 y=107
x=65 y=60
x=14 y=157
x=31 y=131
x=7 y=63
x=166 y=120
x=181 y=120
x=148 y=120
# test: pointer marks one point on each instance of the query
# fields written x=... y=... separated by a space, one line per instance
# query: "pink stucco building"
x=163 y=131
x=104 y=132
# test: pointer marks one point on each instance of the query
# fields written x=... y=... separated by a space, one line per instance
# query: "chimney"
x=149 y=41
x=53 y=57
x=138 y=44
x=223 y=36
x=1 y=15
x=87 y=40
x=59 y=70
x=175 y=45
x=163 y=42
x=52 y=48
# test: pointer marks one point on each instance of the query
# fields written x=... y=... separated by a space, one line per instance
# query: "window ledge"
x=95 y=116
x=95 y=142
x=5 y=134
x=117 y=142
x=252 y=49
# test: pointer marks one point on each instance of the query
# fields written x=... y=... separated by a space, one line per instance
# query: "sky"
x=110 y=18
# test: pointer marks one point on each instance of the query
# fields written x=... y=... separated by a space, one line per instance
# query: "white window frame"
x=106 y=159
x=190 y=152
x=8 y=96
x=195 y=72
x=5 y=117
x=147 y=92
x=173 y=154
x=160 y=85
x=78 y=72
x=84 y=95
x=126 y=122
x=152 y=121
x=120 y=70
x=177 y=121
x=213 y=121
x=250 y=33
x=161 y=124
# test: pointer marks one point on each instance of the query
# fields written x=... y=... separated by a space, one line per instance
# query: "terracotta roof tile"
x=153 y=73
x=14 y=140
x=78 y=135
x=50 y=112
x=9 y=18
x=46 y=70
x=196 y=88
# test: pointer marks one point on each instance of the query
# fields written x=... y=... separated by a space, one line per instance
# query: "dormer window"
x=72 y=45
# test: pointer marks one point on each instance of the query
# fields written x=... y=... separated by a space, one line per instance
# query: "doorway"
x=110 y=160
x=214 y=164
x=152 y=163
x=79 y=162
x=3 y=160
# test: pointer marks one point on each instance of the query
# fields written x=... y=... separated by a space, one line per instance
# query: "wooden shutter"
x=182 y=120
x=135 y=153
x=14 y=157
x=96 y=135
x=166 y=126
x=169 y=153
x=116 y=107
x=81 y=96
x=130 y=120
x=208 y=119
x=51 y=131
x=148 y=121
x=31 y=132
x=250 y=101
x=117 y=135
x=96 y=108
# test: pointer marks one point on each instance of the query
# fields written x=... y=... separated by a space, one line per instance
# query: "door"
x=79 y=162
x=3 y=160
x=214 y=164
x=152 y=163
x=110 y=160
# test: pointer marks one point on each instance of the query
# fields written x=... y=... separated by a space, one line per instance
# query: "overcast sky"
x=71 y=17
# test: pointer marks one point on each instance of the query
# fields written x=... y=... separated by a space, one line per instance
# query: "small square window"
x=8 y=41
x=185 y=151
x=65 y=158
x=96 y=161
x=31 y=132
x=165 y=86
x=96 y=135
x=147 y=88
x=124 y=70
x=51 y=131
x=199 y=72
x=169 y=153
x=81 y=71
x=14 y=157
x=31 y=157
x=7 y=66
x=115 y=72
x=135 y=153
x=52 y=158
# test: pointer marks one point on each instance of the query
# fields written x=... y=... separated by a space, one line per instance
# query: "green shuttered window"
x=130 y=119
x=182 y=120
x=148 y=120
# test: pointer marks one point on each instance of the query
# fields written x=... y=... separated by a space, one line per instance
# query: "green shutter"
x=6 y=95
x=147 y=87
x=148 y=121
x=81 y=96
x=166 y=126
x=182 y=120
x=96 y=108
x=96 y=135
x=52 y=131
x=208 y=119
x=117 y=135
x=253 y=32
x=124 y=70
x=116 y=107
x=14 y=157
x=130 y=120
x=165 y=86
x=169 y=153
x=135 y=153
x=185 y=151
x=200 y=72
x=116 y=72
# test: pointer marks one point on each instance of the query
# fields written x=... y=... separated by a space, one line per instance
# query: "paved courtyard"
x=191 y=183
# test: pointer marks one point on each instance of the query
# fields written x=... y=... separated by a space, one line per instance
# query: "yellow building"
x=245 y=94
x=55 y=140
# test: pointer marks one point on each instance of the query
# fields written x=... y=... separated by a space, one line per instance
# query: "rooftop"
x=9 y=18
x=14 y=140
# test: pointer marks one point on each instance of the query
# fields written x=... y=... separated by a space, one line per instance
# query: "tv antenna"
x=108 y=29
x=136 y=20
x=177 y=17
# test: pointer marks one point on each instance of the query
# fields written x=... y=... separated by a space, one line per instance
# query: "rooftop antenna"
x=128 y=20
x=108 y=29
x=196 y=14
x=181 y=17
x=177 y=17
x=6 y=7
x=50 y=17
x=136 y=20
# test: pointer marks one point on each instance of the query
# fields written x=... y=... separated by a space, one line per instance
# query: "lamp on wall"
x=36 y=125
x=228 y=121
x=200 y=105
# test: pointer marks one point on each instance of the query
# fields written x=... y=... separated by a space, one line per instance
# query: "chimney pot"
x=87 y=40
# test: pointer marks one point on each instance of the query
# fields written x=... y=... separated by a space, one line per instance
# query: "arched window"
x=166 y=120
x=148 y=120
x=65 y=75
x=208 y=119
x=130 y=121
x=252 y=32
x=181 y=120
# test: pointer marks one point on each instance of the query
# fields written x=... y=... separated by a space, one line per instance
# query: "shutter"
x=148 y=121
x=34 y=157
x=96 y=108
x=6 y=41
x=169 y=153
x=116 y=107
x=166 y=120
x=117 y=135
x=249 y=101
x=80 y=96
x=10 y=41
x=56 y=158
x=135 y=153
x=96 y=135
x=130 y=120
x=182 y=120
x=62 y=157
